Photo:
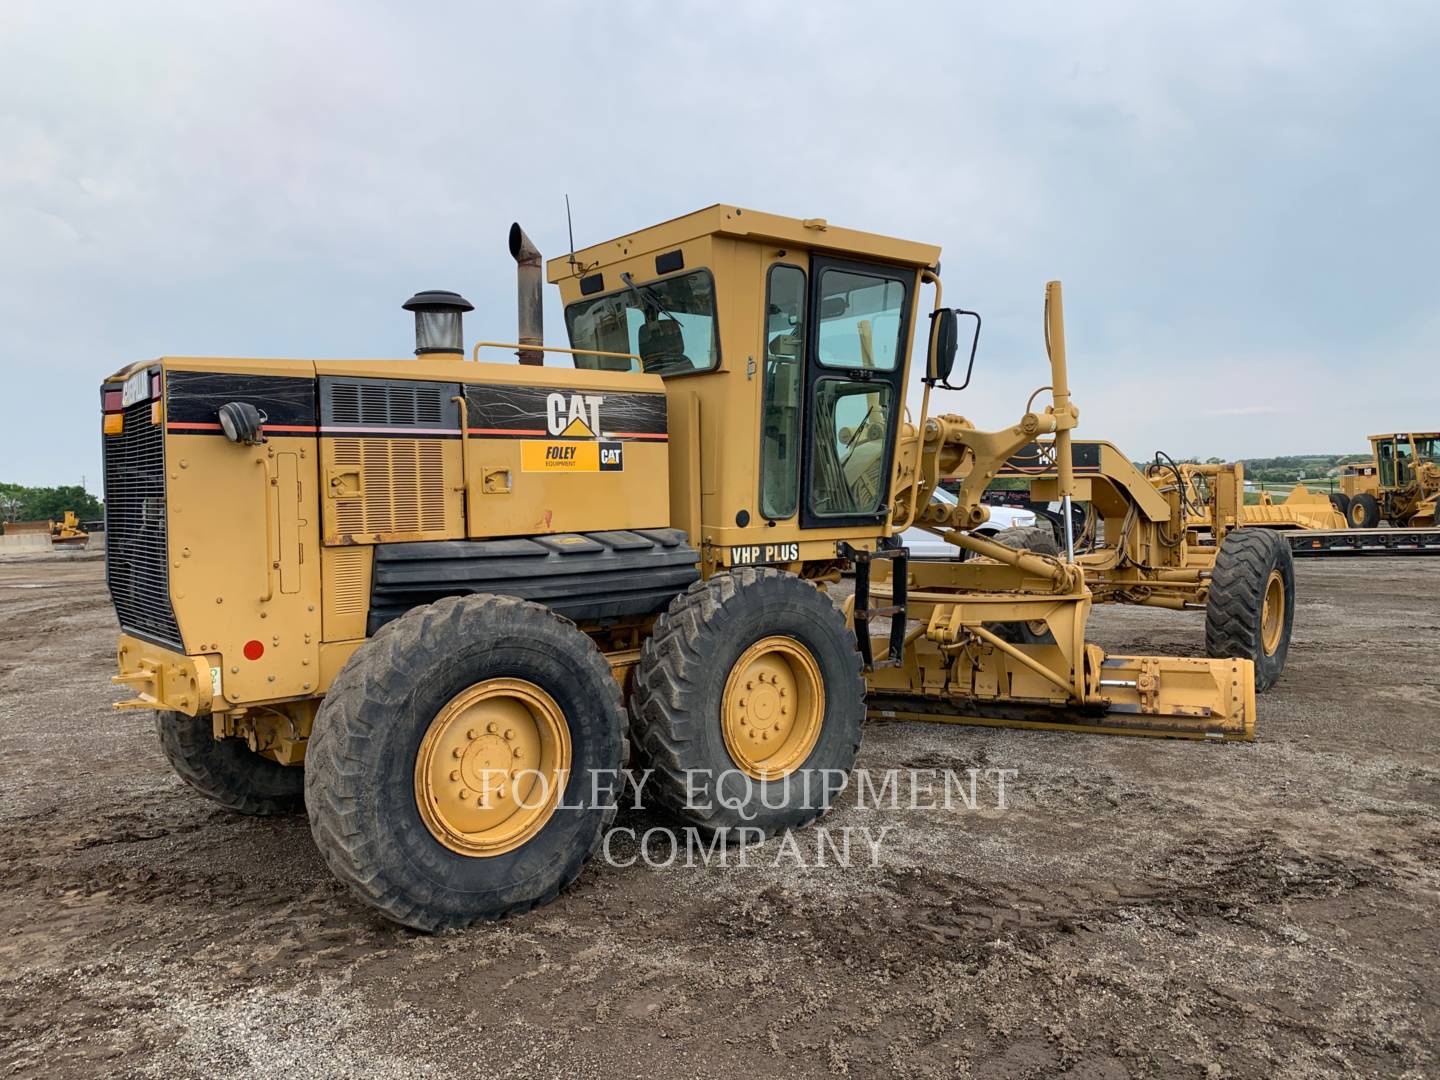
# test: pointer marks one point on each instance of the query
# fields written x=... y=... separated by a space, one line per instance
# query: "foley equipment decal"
x=571 y=456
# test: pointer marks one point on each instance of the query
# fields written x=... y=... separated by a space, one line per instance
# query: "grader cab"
x=444 y=603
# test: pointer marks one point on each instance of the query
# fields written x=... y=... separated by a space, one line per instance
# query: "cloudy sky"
x=1240 y=198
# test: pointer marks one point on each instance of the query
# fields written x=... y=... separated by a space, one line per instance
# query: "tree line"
x=21 y=503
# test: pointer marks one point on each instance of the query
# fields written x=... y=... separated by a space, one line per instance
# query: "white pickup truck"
x=926 y=545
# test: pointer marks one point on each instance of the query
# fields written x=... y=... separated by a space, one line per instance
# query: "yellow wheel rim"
x=772 y=707
x=1272 y=614
x=1357 y=514
x=492 y=767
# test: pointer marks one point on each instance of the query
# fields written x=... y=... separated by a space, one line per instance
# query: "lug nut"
x=492 y=727
x=509 y=734
x=464 y=794
x=472 y=734
x=454 y=774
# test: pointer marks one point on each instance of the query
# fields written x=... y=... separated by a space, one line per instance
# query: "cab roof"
x=741 y=224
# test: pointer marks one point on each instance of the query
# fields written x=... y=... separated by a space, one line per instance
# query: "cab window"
x=781 y=392
x=670 y=324
x=849 y=460
x=861 y=316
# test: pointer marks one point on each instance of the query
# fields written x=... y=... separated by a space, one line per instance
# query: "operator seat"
x=662 y=347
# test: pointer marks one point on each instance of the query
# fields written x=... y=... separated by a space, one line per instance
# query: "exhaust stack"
x=530 y=286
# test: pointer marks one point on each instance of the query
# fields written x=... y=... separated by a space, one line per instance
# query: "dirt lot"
x=1140 y=907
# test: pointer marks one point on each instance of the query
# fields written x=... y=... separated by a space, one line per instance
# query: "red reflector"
x=112 y=401
x=254 y=650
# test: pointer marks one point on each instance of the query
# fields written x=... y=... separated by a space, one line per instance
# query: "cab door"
x=1385 y=458
x=858 y=336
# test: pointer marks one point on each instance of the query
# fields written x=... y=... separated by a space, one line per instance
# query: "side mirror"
x=945 y=346
x=944 y=343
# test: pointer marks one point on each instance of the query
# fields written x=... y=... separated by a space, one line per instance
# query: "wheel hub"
x=1272 y=613
x=492 y=766
x=772 y=707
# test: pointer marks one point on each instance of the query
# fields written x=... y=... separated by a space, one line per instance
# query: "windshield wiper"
x=647 y=295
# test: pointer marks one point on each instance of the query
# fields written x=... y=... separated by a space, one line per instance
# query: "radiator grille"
x=387 y=404
x=403 y=486
x=136 y=547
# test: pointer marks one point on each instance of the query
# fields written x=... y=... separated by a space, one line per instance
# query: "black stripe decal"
x=195 y=397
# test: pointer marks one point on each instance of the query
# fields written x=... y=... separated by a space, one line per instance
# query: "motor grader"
x=1400 y=484
x=446 y=602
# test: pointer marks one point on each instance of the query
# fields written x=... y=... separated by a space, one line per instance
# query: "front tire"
x=227 y=771
x=1037 y=538
x=748 y=703
x=1341 y=502
x=466 y=763
x=1250 y=610
x=1364 y=512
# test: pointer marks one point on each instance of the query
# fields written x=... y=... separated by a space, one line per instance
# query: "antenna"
x=570 y=225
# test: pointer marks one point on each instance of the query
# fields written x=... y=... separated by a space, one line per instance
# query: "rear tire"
x=1364 y=511
x=1341 y=502
x=696 y=725
x=1250 y=610
x=420 y=842
x=227 y=771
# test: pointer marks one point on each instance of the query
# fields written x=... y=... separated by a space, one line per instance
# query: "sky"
x=1239 y=198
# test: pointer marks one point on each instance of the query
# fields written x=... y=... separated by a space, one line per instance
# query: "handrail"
x=928 y=276
x=271 y=562
x=475 y=352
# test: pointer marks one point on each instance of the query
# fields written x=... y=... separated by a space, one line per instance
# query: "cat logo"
x=573 y=416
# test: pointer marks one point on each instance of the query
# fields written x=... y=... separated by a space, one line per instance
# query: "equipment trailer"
x=1394 y=541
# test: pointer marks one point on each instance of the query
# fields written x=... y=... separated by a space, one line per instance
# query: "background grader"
x=446 y=602
x=1400 y=483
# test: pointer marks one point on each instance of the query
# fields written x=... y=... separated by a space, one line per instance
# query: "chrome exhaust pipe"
x=530 y=286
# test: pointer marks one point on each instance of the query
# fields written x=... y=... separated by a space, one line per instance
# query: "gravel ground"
x=1138 y=907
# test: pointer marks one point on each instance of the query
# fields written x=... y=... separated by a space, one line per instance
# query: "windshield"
x=669 y=324
x=1426 y=448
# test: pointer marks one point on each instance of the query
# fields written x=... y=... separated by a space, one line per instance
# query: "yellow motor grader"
x=1400 y=483
x=445 y=602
